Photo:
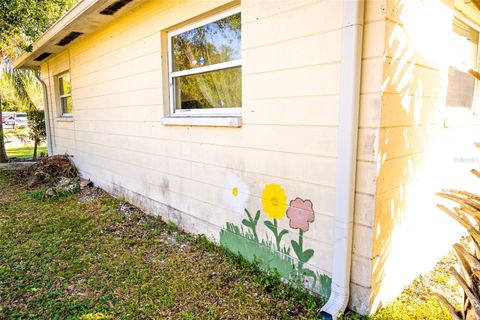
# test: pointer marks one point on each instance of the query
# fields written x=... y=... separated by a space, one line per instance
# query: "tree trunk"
x=35 y=145
x=3 y=152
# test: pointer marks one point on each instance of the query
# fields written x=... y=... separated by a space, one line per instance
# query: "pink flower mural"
x=300 y=214
x=273 y=252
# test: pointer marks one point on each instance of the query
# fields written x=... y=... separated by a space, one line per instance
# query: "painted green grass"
x=242 y=242
x=72 y=258
x=239 y=242
x=25 y=151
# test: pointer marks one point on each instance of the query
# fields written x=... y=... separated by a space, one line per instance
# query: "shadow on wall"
x=417 y=156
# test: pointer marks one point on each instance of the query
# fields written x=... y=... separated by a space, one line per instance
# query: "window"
x=205 y=67
x=65 y=94
x=461 y=85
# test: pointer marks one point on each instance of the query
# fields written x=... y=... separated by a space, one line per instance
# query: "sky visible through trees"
x=213 y=43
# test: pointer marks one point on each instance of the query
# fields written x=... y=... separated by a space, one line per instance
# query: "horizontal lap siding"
x=63 y=141
x=367 y=154
x=291 y=79
x=415 y=152
x=260 y=138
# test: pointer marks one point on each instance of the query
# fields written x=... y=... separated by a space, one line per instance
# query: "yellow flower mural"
x=270 y=251
x=274 y=201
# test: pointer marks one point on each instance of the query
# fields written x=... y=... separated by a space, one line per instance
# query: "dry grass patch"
x=90 y=256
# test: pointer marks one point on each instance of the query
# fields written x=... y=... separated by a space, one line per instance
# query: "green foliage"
x=21 y=87
x=43 y=194
x=71 y=189
x=25 y=151
x=268 y=278
x=95 y=316
x=71 y=259
x=38 y=194
x=3 y=153
x=19 y=90
x=214 y=88
x=172 y=227
x=36 y=124
x=352 y=316
x=22 y=21
x=414 y=308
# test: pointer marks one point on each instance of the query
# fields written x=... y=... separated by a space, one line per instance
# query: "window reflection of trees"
x=213 y=43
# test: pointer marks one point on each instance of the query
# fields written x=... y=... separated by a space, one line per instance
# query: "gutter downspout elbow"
x=46 y=111
x=352 y=41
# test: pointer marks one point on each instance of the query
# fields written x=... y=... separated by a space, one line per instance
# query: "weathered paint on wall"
x=290 y=81
x=289 y=259
x=215 y=180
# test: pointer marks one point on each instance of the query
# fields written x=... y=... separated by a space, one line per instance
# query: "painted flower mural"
x=277 y=255
x=274 y=201
x=300 y=214
x=235 y=193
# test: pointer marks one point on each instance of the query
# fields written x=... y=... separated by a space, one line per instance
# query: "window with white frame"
x=205 y=66
x=462 y=87
x=65 y=94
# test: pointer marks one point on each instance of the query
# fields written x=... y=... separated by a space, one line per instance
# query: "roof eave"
x=84 y=17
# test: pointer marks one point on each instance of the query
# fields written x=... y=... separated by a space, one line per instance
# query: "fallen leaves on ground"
x=90 y=256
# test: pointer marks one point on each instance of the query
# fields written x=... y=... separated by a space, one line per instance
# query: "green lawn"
x=25 y=151
x=95 y=257
x=23 y=132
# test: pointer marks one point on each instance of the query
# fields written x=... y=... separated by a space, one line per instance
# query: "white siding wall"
x=291 y=62
x=413 y=154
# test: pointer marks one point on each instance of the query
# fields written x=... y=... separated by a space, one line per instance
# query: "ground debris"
x=85 y=183
x=48 y=171
x=90 y=193
x=53 y=177
x=129 y=209
x=67 y=259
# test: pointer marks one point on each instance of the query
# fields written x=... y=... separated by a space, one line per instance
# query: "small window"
x=205 y=68
x=461 y=85
x=65 y=94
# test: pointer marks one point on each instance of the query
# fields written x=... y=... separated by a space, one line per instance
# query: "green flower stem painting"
x=251 y=223
x=273 y=254
x=274 y=228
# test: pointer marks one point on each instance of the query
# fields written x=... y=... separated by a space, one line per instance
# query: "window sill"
x=64 y=119
x=234 y=122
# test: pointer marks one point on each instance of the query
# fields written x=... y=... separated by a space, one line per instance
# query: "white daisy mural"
x=235 y=193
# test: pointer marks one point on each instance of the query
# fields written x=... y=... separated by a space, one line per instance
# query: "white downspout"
x=46 y=111
x=352 y=38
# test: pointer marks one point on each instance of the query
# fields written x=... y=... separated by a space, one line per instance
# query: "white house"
x=311 y=135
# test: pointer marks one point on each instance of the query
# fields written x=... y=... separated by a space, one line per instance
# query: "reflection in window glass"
x=213 y=43
x=217 y=46
x=65 y=94
x=214 y=89
x=65 y=84
x=67 y=104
